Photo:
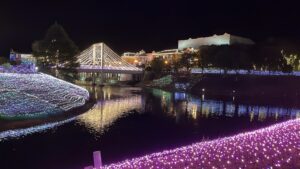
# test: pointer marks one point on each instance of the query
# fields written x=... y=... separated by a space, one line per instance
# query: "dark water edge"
x=129 y=122
x=246 y=86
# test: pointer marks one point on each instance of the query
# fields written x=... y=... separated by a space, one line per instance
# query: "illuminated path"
x=277 y=146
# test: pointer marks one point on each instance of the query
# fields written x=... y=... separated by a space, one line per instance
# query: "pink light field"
x=277 y=146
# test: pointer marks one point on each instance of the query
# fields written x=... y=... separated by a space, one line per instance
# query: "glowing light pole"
x=97 y=159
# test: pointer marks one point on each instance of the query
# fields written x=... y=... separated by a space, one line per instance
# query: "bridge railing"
x=96 y=67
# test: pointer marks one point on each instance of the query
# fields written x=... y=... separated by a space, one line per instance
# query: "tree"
x=56 y=49
x=293 y=60
x=176 y=65
x=7 y=65
x=3 y=60
x=186 y=60
x=233 y=57
x=271 y=57
x=157 y=65
x=207 y=56
x=280 y=54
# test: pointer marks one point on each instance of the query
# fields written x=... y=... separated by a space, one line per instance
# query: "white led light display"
x=37 y=94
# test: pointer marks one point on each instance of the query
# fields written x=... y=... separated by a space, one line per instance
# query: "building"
x=138 y=59
x=22 y=58
x=168 y=55
x=225 y=39
x=143 y=58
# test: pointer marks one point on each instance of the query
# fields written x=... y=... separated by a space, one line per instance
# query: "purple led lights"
x=277 y=146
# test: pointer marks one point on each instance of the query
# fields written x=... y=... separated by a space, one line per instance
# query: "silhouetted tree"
x=187 y=60
x=56 y=48
x=157 y=65
x=226 y=57
x=3 y=60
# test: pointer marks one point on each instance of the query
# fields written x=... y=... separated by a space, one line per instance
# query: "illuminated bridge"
x=99 y=58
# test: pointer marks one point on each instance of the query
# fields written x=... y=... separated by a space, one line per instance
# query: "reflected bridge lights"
x=203 y=94
x=106 y=112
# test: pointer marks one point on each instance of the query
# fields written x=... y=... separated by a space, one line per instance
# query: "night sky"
x=140 y=24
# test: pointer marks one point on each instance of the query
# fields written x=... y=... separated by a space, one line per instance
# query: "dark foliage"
x=56 y=49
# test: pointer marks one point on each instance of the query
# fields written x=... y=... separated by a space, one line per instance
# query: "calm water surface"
x=129 y=122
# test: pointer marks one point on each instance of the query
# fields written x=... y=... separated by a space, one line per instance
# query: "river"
x=128 y=122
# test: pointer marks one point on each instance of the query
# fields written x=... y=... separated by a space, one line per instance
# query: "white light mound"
x=37 y=94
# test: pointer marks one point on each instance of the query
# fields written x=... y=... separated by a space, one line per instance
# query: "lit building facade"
x=184 y=46
x=22 y=58
x=138 y=58
x=143 y=58
x=225 y=39
x=169 y=55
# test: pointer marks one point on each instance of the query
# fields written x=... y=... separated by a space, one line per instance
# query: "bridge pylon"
x=99 y=58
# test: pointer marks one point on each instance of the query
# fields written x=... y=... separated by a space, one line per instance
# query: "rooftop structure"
x=137 y=58
x=169 y=55
x=225 y=39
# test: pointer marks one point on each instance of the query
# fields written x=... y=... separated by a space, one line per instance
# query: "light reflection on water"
x=179 y=103
x=104 y=113
x=113 y=103
x=162 y=120
x=208 y=108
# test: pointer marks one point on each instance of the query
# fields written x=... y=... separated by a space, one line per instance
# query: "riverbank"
x=250 y=87
x=26 y=123
x=242 y=87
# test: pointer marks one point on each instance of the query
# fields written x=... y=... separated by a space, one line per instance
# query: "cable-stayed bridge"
x=100 y=58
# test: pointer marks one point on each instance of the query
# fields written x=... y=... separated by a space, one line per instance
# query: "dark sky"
x=142 y=24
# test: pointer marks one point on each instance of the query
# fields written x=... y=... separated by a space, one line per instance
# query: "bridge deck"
x=100 y=58
x=98 y=69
